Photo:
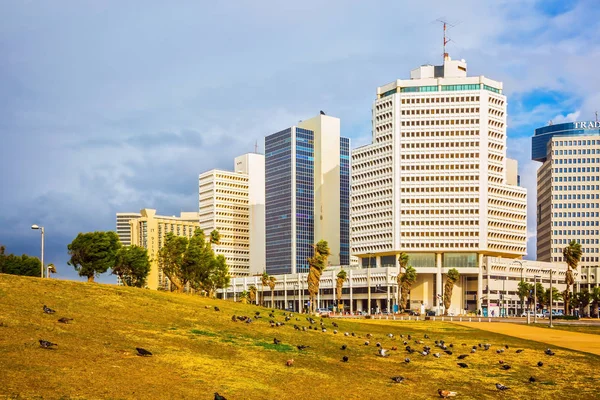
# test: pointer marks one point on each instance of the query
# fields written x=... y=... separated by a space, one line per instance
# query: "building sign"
x=587 y=125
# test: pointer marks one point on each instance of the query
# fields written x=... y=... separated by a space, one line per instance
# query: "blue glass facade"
x=542 y=136
x=344 y=201
x=279 y=197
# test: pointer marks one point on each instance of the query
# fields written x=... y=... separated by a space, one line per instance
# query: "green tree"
x=316 y=264
x=264 y=281
x=23 y=265
x=402 y=263
x=93 y=253
x=539 y=292
x=244 y=297
x=572 y=255
x=452 y=278
x=595 y=298
x=198 y=263
x=545 y=297
x=215 y=237
x=339 y=283
x=218 y=276
x=581 y=300
x=408 y=279
x=132 y=265
x=170 y=259
x=272 y=281
x=523 y=292
x=252 y=292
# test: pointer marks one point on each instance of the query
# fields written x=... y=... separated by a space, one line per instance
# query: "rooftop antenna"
x=256 y=147
x=596 y=116
x=446 y=39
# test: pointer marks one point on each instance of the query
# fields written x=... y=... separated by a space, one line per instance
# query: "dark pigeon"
x=46 y=344
x=143 y=352
x=48 y=310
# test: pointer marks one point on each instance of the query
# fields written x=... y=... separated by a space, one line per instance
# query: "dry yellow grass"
x=198 y=351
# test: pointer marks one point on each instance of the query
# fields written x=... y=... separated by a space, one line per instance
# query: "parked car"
x=322 y=311
x=531 y=313
x=414 y=313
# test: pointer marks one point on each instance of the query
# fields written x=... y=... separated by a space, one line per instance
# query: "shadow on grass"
x=282 y=348
x=203 y=333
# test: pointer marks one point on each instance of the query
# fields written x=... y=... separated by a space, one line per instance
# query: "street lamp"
x=522 y=268
x=535 y=297
x=501 y=299
x=42 y=258
x=551 y=299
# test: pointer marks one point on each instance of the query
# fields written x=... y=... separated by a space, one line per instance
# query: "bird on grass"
x=302 y=347
x=217 y=308
x=444 y=394
x=473 y=351
x=506 y=367
x=394 y=348
x=519 y=351
x=539 y=364
x=463 y=356
x=500 y=386
x=276 y=341
x=378 y=344
x=346 y=334
x=500 y=362
x=219 y=397
x=391 y=335
x=249 y=321
x=366 y=343
x=344 y=347
x=462 y=365
x=46 y=344
x=234 y=318
x=383 y=352
x=397 y=379
x=506 y=346
x=532 y=379
x=426 y=337
x=436 y=355
x=345 y=359
x=549 y=352
x=407 y=360
x=334 y=324
x=289 y=362
x=500 y=351
x=448 y=352
x=48 y=310
x=143 y=352
x=65 y=320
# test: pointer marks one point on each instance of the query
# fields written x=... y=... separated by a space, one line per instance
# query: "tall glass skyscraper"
x=307 y=193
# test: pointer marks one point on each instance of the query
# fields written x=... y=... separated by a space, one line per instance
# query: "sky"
x=115 y=106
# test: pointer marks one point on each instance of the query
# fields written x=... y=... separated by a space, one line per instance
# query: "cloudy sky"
x=118 y=105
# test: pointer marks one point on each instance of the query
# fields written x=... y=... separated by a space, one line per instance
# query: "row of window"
x=576 y=223
x=574 y=232
x=430 y=122
x=576 y=205
x=589 y=142
x=576 y=214
x=576 y=178
x=428 y=100
x=433 y=111
x=576 y=197
x=575 y=160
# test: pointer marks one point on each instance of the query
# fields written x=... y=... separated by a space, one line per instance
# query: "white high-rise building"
x=435 y=182
x=233 y=203
x=123 y=227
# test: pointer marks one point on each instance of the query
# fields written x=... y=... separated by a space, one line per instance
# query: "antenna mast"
x=446 y=39
x=256 y=147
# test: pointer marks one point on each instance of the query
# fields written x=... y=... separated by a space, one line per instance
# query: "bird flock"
x=413 y=347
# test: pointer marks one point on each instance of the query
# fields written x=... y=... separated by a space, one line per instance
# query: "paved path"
x=578 y=341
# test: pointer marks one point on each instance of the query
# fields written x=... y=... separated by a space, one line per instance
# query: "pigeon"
x=346 y=334
x=249 y=320
x=473 y=350
x=46 y=344
x=353 y=334
x=324 y=330
x=394 y=348
x=549 y=352
x=426 y=337
x=345 y=359
x=500 y=351
x=506 y=346
x=500 y=362
x=234 y=318
x=217 y=308
x=436 y=355
x=344 y=347
x=506 y=367
x=450 y=345
x=335 y=331
x=475 y=347
x=532 y=379
x=390 y=335
x=366 y=343
x=448 y=352
x=369 y=335
x=383 y=352
x=257 y=313
x=334 y=324
x=65 y=320
x=397 y=379
x=276 y=341
x=500 y=386
x=409 y=337
x=142 y=352
x=289 y=362
x=219 y=397
x=519 y=351
x=302 y=347
x=539 y=364
x=48 y=310
x=378 y=344
x=463 y=356
x=462 y=365
x=407 y=360
x=425 y=353
x=446 y=393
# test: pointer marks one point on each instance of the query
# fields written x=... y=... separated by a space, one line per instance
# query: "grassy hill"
x=199 y=351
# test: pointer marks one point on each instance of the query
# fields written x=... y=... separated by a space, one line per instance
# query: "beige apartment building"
x=233 y=203
x=124 y=227
x=150 y=230
x=436 y=183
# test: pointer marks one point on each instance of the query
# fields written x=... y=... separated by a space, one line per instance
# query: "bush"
x=566 y=317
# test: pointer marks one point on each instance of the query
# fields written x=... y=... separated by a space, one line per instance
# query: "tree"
x=132 y=265
x=272 y=280
x=316 y=264
x=215 y=237
x=339 y=283
x=23 y=265
x=264 y=281
x=523 y=292
x=170 y=258
x=545 y=297
x=244 y=297
x=572 y=255
x=253 y=290
x=408 y=279
x=199 y=264
x=595 y=298
x=539 y=292
x=402 y=263
x=93 y=253
x=451 y=279
x=218 y=276
x=581 y=300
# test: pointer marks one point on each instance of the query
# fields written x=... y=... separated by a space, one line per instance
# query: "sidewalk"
x=584 y=342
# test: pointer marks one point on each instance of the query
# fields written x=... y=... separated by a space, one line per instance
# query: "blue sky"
x=116 y=106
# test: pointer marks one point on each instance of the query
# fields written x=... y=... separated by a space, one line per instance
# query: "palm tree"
x=253 y=291
x=572 y=255
x=595 y=297
x=523 y=292
x=402 y=263
x=451 y=279
x=545 y=296
x=341 y=278
x=244 y=297
x=408 y=279
x=271 y=283
x=264 y=281
x=316 y=264
x=581 y=300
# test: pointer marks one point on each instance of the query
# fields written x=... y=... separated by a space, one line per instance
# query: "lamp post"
x=522 y=268
x=551 y=299
x=535 y=297
x=41 y=228
x=369 y=286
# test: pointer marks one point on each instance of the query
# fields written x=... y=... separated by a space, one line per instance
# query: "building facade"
x=150 y=230
x=233 y=203
x=435 y=182
x=307 y=186
x=568 y=199
x=124 y=228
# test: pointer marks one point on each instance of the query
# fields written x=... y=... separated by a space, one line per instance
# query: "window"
x=460 y=87
x=419 y=89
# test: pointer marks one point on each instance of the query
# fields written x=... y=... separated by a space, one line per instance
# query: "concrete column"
x=369 y=290
x=333 y=284
x=480 y=282
x=257 y=292
x=377 y=262
x=438 y=280
x=300 y=301
x=350 y=285
x=388 y=280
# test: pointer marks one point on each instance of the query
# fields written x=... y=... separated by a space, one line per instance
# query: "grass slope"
x=198 y=351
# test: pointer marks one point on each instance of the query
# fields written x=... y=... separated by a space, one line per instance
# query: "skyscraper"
x=123 y=227
x=435 y=182
x=306 y=194
x=233 y=203
x=568 y=193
